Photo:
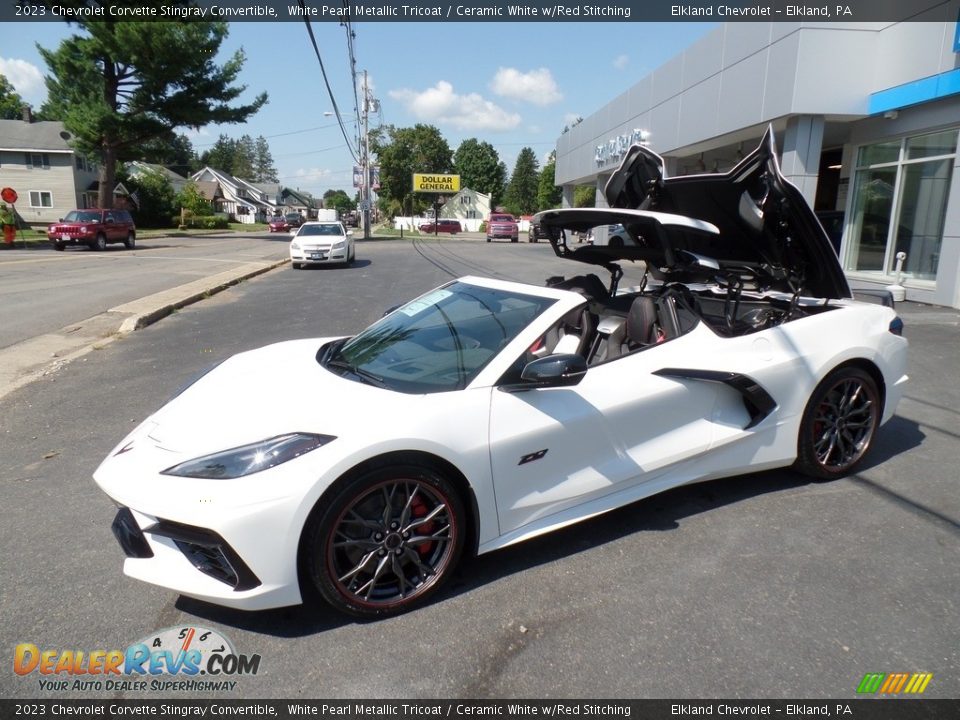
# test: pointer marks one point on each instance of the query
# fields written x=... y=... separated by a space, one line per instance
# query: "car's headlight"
x=294 y=246
x=338 y=245
x=248 y=459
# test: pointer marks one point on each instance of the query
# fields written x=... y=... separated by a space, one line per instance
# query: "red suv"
x=93 y=228
x=442 y=226
x=501 y=225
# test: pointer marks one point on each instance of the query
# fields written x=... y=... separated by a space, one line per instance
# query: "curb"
x=46 y=354
x=148 y=310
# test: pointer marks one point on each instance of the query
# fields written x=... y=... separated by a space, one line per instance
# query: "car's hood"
x=763 y=223
x=263 y=393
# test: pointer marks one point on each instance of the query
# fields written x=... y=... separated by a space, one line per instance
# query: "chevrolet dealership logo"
x=894 y=683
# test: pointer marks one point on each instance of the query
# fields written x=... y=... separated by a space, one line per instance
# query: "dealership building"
x=866 y=117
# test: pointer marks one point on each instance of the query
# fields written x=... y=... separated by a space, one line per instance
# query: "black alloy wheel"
x=386 y=541
x=839 y=424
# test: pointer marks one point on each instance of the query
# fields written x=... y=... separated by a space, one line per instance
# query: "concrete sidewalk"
x=26 y=361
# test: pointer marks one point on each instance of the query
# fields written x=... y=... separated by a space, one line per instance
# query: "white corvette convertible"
x=485 y=412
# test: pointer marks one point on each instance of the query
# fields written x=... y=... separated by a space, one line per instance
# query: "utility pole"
x=365 y=161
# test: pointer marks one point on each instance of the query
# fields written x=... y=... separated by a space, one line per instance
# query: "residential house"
x=137 y=168
x=298 y=201
x=244 y=202
x=50 y=177
x=469 y=207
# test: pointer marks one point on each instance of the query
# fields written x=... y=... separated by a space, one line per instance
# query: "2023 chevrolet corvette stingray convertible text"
x=486 y=412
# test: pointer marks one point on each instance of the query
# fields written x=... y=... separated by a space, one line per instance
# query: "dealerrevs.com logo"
x=894 y=683
x=179 y=658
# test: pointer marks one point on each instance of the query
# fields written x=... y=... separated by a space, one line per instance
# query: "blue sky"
x=510 y=84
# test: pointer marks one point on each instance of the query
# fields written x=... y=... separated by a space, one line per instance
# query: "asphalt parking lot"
x=764 y=585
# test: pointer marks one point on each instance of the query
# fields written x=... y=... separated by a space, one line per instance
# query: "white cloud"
x=312 y=175
x=25 y=77
x=440 y=104
x=537 y=86
x=621 y=61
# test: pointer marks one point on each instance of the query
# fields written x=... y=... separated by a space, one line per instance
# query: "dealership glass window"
x=41 y=199
x=899 y=204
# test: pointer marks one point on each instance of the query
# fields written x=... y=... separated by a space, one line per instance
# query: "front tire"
x=100 y=243
x=59 y=246
x=295 y=265
x=839 y=424
x=385 y=541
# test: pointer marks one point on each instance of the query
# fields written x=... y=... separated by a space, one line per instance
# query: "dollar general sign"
x=427 y=183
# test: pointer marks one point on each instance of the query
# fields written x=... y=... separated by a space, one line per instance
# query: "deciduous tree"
x=480 y=169
x=548 y=194
x=404 y=151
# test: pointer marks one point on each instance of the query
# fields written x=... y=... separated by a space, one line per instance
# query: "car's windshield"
x=321 y=230
x=440 y=341
x=82 y=216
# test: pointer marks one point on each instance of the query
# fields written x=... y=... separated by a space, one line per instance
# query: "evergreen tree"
x=11 y=104
x=221 y=155
x=263 y=167
x=244 y=159
x=521 y=197
x=122 y=84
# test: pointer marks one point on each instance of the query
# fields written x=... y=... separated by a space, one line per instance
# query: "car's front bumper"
x=319 y=258
x=229 y=542
x=203 y=564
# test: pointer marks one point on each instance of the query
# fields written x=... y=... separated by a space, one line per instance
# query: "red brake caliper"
x=420 y=510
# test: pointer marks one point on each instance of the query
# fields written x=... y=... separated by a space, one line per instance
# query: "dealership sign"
x=430 y=183
x=616 y=147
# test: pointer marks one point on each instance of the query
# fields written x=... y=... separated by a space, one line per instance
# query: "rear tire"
x=131 y=242
x=384 y=541
x=839 y=424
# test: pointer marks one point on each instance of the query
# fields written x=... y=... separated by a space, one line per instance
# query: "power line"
x=326 y=82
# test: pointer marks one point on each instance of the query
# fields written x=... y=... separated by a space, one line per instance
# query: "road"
x=42 y=290
x=765 y=585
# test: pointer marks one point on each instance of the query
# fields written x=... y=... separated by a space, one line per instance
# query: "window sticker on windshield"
x=429 y=300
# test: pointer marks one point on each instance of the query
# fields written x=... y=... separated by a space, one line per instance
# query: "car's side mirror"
x=349 y=233
x=562 y=370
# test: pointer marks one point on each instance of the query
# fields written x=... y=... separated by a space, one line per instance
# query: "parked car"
x=501 y=225
x=94 y=228
x=487 y=412
x=536 y=233
x=279 y=224
x=320 y=243
x=442 y=226
x=294 y=220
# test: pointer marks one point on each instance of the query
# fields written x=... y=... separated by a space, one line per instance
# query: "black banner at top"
x=874 y=709
x=576 y=11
